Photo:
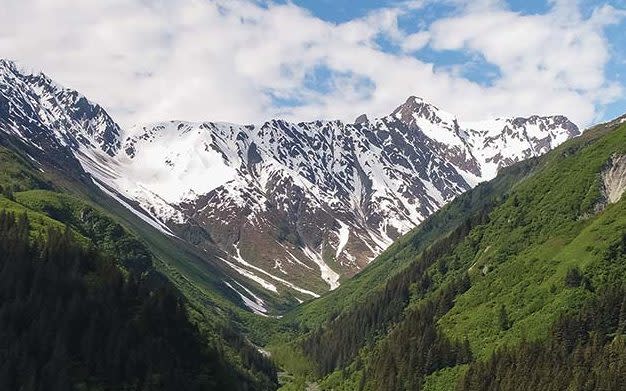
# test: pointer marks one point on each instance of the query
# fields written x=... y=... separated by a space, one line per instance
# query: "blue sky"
x=250 y=60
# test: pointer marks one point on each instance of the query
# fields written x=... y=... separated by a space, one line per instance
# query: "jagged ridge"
x=296 y=205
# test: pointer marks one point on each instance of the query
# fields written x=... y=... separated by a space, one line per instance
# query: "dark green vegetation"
x=585 y=351
x=177 y=332
x=517 y=279
x=70 y=319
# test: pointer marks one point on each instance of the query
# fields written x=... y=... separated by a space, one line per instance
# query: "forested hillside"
x=70 y=319
x=525 y=280
x=84 y=306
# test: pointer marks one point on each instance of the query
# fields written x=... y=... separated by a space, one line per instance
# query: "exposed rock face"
x=46 y=106
x=614 y=179
x=361 y=119
x=296 y=206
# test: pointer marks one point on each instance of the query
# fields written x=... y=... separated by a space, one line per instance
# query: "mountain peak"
x=361 y=119
x=413 y=99
x=412 y=104
x=66 y=116
x=15 y=68
x=4 y=63
x=415 y=110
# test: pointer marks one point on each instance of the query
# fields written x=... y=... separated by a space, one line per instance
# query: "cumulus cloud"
x=415 y=42
x=558 y=57
x=245 y=61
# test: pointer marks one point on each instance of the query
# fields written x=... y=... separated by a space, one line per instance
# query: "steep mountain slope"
x=51 y=118
x=75 y=280
x=533 y=264
x=43 y=128
x=72 y=320
x=291 y=208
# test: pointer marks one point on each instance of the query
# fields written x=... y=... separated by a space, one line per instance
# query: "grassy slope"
x=39 y=222
x=527 y=249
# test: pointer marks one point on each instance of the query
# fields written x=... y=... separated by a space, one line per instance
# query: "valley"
x=411 y=251
x=293 y=209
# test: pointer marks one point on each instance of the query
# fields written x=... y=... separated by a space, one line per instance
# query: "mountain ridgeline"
x=292 y=209
x=414 y=251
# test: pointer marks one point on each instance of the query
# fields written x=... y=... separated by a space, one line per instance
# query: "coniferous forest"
x=586 y=351
x=70 y=319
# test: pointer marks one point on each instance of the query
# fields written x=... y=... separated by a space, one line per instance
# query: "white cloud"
x=214 y=60
x=414 y=42
x=554 y=60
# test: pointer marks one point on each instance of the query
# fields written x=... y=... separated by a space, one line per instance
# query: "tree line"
x=337 y=343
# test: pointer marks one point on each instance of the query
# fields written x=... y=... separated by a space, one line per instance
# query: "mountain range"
x=293 y=208
x=447 y=255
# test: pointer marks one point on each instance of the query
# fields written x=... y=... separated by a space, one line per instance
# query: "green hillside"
x=53 y=202
x=495 y=274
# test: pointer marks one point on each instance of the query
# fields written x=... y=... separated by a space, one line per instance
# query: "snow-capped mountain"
x=296 y=206
x=32 y=105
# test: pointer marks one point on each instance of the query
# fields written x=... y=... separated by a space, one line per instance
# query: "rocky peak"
x=416 y=107
x=7 y=66
x=61 y=111
x=361 y=119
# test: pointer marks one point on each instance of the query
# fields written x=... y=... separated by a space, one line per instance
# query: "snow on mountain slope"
x=321 y=199
x=297 y=206
x=44 y=105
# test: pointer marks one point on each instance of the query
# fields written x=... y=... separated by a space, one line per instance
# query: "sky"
x=246 y=61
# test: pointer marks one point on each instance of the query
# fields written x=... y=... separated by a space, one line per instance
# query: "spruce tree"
x=503 y=318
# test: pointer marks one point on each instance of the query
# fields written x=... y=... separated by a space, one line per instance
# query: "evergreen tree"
x=503 y=318
x=573 y=278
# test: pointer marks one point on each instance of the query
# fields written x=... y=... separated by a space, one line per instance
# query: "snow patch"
x=240 y=259
x=279 y=265
x=256 y=304
x=327 y=274
x=343 y=236
x=267 y=285
x=150 y=220
x=175 y=160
